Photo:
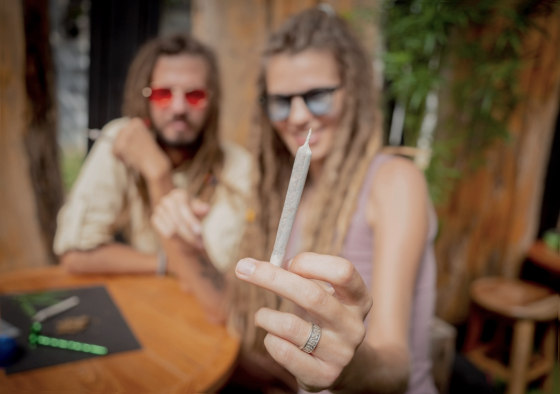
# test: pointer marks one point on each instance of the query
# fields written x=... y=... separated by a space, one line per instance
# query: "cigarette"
x=291 y=203
x=55 y=309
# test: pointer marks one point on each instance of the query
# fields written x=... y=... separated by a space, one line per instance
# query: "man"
x=168 y=139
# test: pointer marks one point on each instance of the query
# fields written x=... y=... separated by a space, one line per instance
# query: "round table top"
x=180 y=349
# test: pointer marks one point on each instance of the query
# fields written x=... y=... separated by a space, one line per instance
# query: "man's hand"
x=178 y=214
x=136 y=147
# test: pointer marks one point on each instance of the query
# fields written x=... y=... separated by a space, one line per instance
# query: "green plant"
x=468 y=55
x=71 y=164
x=551 y=238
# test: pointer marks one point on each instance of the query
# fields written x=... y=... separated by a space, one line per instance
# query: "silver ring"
x=313 y=339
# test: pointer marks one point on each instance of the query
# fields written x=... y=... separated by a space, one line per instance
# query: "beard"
x=192 y=145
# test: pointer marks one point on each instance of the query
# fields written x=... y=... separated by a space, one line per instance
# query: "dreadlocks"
x=337 y=189
x=339 y=184
x=354 y=146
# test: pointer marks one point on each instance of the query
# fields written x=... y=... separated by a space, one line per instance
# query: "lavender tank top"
x=357 y=248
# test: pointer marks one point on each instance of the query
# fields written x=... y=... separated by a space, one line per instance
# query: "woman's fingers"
x=311 y=372
x=331 y=346
x=305 y=293
x=312 y=295
x=335 y=300
x=285 y=325
x=346 y=282
x=324 y=308
x=287 y=335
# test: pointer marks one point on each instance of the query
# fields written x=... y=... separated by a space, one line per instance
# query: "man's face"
x=179 y=98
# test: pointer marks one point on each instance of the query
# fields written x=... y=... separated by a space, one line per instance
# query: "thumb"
x=200 y=208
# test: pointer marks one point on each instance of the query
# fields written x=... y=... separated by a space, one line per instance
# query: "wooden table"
x=181 y=351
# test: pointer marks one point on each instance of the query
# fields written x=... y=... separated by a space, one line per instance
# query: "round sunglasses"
x=318 y=101
x=162 y=97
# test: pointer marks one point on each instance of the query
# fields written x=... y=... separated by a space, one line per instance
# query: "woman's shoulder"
x=397 y=169
x=398 y=194
x=398 y=176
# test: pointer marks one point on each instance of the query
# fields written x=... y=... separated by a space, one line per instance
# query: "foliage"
x=71 y=163
x=470 y=54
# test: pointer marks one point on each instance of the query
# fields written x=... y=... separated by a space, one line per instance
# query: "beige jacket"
x=105 y=200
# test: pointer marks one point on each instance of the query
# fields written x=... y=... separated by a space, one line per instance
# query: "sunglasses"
x=318 y=101
x=161 y=97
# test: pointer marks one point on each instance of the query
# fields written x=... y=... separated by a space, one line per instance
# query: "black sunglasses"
x=318 y=101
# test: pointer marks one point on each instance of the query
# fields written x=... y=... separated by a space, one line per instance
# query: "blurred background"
x=469 y=91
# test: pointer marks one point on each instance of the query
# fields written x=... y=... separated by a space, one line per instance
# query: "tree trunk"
x=490 y=220
x=41 y=133
x=21 y=241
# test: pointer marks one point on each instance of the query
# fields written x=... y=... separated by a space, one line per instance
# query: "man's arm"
x=109 y=258
x=136 y=147
x=187 y=259
x=178 y=221
x=84 y=239
x=199 y=275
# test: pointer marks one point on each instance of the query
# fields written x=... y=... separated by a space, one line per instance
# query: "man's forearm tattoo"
x=210 y=272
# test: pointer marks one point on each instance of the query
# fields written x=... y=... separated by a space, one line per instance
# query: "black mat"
x=107 y=326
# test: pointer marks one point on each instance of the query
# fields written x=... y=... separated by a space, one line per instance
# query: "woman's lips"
x=301 y=137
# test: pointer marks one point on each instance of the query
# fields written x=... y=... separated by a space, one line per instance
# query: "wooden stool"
x=522 y=305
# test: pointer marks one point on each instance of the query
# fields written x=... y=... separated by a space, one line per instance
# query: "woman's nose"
x=299 y=113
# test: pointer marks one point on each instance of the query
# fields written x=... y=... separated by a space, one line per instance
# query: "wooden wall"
x=491 y=219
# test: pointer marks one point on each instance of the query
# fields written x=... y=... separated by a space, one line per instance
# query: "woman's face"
x=304 y=92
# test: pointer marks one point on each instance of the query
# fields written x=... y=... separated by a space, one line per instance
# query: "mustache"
x=180 y=118
x=191 y=146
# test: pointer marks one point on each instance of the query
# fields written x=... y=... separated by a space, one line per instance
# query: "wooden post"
x=21 y=243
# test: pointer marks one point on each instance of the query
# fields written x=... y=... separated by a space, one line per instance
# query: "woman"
x=351 y=308
x=368 y=214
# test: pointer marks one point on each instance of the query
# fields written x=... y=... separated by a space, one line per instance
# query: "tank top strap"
x=376 y=162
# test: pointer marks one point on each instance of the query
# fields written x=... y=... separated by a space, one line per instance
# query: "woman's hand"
x=178 y=214
x=334 y=297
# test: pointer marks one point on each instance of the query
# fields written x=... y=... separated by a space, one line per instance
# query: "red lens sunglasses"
x=161 y=97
